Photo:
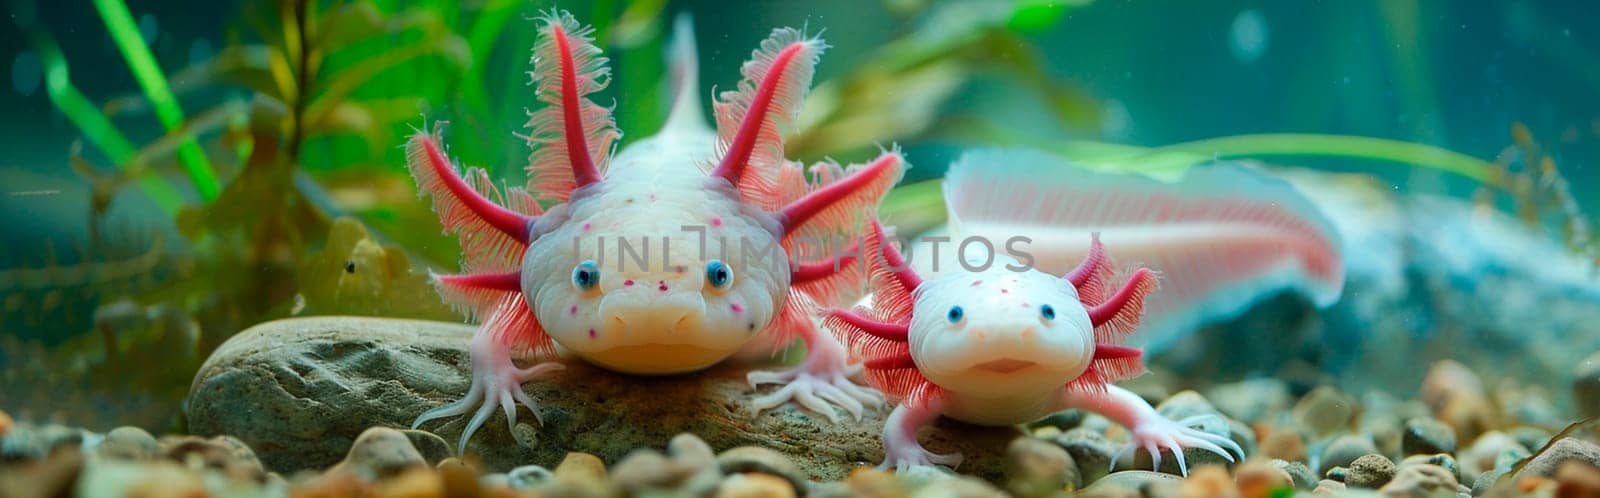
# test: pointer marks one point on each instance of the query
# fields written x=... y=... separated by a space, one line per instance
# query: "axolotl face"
x=1000 y=332
x=662 y=279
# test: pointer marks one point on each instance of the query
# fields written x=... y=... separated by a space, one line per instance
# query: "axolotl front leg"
x=1149 y=430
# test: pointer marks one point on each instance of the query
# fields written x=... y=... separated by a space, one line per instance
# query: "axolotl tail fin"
x=683 y=69
x=1222 y=237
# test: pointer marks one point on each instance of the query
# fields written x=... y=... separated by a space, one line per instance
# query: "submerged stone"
x=299 y=391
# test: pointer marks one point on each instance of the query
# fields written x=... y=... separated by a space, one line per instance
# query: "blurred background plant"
x=225 y=173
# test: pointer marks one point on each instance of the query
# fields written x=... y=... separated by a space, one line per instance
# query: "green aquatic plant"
x=1540 y=195
x=119 y=23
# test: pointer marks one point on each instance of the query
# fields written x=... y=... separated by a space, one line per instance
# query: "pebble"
x=1443 y=460
x=1324 y=410
x=127 y=443
x=1064 y=420
x=755 y=486
x=1531 y=438
x=1258 y=478
x=1184 y=405
x=1577 y=480
x=961 y=487
x=1251 y=400
x=5 y=422
x=1139 y=482
x=412 y=482
x=645 y=469
x=134 y=479
x=1345 y=449
x=581 y=467
x=1302 y=475
x=1329 y=487
x=528 y=476
x=1530 y=405
x=1427 y=436
x=224 y=453
x=1090 y=450
x=1036 y=468
x=1447 y=379
x=1480 y=456
x=380 y=452
x=459 y=480
x=1370 y=471
x=1208 y=481
x=1469 y=415
x=1421 y=481
x=1284 y=444
x=1545 y=464
x=1586 y=386
x=869 y=482
x=761 y=460
x=432 y=447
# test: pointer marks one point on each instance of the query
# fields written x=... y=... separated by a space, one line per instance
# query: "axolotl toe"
x=663 y=258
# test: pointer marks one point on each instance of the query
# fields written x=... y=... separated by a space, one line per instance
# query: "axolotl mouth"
x=1005 y=365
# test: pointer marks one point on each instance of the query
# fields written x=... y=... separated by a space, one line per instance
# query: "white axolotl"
x=1005 y=344
x=665 y=258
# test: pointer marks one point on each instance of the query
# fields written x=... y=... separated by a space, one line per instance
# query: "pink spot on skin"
x=627 y=283
x=1005 y=291
x=716 y=221
x=680 y=268
x=661 y=286
x=591 y=333
x=736 y=308
x=587 y=226
x=976 y=283
x=573 y=310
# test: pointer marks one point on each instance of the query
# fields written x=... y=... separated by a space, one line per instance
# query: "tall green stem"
x=119 y=23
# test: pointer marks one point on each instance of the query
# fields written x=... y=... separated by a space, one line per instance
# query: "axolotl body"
x=1005 y=344
x=691 y=206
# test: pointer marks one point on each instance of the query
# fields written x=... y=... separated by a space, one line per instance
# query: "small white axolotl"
x=666 y=257
x=1005 y=345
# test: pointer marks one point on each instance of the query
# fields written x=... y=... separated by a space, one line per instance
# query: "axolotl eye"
x=1048 y=312
x=586 y=275
x=719 y=274
x=955 y=314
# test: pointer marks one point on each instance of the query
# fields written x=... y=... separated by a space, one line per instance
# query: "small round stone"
x=1577 y=479
x=1251 y=400
x=1136 y=481
x=1302 y=475
x=1324 y=410
x=1427 y=436
x=1090 y=450
x=1258 y=478
x=1284 y=444
x=380 y=452
x=1036 y=467
x=755 y=486
x=1422 y=480
x=762 y=460
x=1469 y=415
x=1370 y=471
x=1064 y=420
x=1346 y=449
x=1442 y=460
x=528 y=476
x=1481 y=455
x=1531 y=438
x=1208 y=480
x=690 y=448
x=581 y=467
x=1186 y=404
x=127 y=443
x=5 y=423
x=643 y=469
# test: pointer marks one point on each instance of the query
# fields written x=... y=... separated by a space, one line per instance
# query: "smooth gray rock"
x=300 y=390
x=1545 y=464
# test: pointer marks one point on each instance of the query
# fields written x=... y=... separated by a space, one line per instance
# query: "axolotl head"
x=657 y=278
x=1000 y=332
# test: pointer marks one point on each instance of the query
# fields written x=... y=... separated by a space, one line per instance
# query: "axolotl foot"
x=821 y=384
x=1157 y=433
x=496 y=381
